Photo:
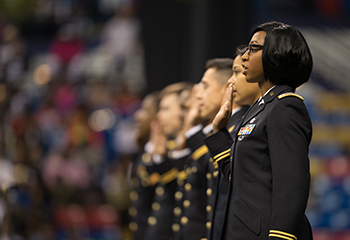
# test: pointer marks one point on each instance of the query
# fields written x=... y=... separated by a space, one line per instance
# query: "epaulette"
x=290 y=94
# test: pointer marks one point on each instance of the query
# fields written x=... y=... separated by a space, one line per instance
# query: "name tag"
x=246 y=130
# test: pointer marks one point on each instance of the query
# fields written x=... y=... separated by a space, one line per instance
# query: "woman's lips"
x=244 y=69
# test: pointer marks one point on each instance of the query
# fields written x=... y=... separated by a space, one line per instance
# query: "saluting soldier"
x=194 y=185
x=167 y=160
x=245 y=94
x=142 y=195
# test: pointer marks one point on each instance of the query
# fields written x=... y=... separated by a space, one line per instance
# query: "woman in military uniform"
x=269 y=175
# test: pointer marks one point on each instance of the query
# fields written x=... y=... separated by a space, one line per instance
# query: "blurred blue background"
x=73 y=73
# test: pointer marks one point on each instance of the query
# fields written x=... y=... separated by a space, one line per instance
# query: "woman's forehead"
x=258 y=37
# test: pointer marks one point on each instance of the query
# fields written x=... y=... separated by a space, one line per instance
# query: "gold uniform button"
x=188 y=187
x=177 y=211
x=208 y=176
x=171 y=144
x=145 y=182
x=194 y=169
x=175 y=227
x=208 y=225
x=216 y=173
x=159 y=190
x=133 y=196
x=132 y=211
x=188 y=171
x=155 y=206
x=187 y=203
x=133 y=226
x=211 y=160
x=208 y=208
x=141 y=170
x=180 y=182
x=209 y=192
x=178 y=195
x=184 y=220
x=146 y=158
x=152 y=221
x=231 y=159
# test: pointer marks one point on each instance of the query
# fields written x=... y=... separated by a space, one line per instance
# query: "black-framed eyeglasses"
x=253 y=48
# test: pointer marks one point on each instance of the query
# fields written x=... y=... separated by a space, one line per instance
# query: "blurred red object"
x=92 y=217
x=324 y=234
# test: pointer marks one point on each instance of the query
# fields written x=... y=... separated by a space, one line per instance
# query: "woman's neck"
x=265 y=86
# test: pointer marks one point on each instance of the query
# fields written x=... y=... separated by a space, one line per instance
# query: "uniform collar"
x=275 y=91
x=260 y=104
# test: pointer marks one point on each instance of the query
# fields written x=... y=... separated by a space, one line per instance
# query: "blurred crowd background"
x=73 y=73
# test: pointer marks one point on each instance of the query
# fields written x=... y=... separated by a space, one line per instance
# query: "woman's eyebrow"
x=254 y=41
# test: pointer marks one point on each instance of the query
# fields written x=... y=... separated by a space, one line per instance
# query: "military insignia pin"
x=246 y=130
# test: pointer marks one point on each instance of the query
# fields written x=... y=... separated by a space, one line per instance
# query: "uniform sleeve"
x=168 y=169
x=219 y=145
x=289 y=132
x=195 y=141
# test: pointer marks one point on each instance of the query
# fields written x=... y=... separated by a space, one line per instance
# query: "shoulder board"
x=290 y=94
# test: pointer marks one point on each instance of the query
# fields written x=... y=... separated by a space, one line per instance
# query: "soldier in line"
x=195 y=182
x=143 y=192
x=166 y=161
x=245 y=94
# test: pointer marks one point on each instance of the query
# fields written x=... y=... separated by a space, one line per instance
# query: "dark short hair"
x=286 y=56
x=267 y=27
x=219 y=63
x=240 y=50
x=176 y=88
x=223 y=66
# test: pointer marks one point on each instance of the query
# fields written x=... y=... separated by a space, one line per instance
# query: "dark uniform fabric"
x=141 y=197
x=221 y=184
x=194 y=187
x=178 y=205
x=270 y=169
x=161 y=217
x=178 y=221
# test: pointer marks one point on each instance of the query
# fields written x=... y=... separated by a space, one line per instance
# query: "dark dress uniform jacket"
x=161 y=216
x=141 y=196
x=221 y=183
x=270 y=180
x=193 y=218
